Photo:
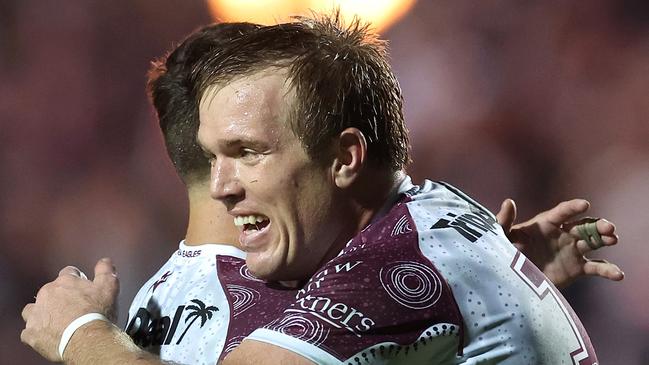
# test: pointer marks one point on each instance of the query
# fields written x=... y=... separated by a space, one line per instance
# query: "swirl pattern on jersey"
x=232 y=344
x=402 y=226
x=302 y=328
x=244 y=298
x=246 y=274
x=411 y=284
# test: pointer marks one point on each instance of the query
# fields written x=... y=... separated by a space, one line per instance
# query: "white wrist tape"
x=74 y=326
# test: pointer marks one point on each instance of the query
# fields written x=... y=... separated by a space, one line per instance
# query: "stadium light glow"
x=381 y=13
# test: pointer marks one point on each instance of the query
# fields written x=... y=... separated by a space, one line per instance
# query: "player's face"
x=279 y=198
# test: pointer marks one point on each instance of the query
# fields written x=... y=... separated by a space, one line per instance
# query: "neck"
x=208 y=220
x=374 y=192
x=371 y=195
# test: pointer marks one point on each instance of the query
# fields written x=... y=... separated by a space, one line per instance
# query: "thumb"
x=106 y=275
x=507 y=214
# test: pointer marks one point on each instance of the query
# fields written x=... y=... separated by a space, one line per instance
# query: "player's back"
x=201 y=304
x=512 y=314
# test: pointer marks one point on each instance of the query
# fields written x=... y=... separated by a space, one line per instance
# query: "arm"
x=68 y=297
x=552 y=242
x=251 y=352
x=104 y=343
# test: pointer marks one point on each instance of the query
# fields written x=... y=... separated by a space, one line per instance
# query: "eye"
x=249 y=154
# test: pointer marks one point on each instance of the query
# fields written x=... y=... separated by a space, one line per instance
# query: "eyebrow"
x=233 y=143
x=228 y=144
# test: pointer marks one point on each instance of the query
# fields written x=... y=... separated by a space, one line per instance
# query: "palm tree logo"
x=198 y=311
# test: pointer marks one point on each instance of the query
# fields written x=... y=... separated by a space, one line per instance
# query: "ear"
x=350 y=154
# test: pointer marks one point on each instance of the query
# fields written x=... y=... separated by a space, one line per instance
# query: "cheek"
x=315 y=208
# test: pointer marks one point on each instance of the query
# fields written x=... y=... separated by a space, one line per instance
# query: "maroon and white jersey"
x=201 y=304
x=432 y=281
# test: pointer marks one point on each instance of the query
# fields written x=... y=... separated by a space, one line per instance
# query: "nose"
x=224 y=182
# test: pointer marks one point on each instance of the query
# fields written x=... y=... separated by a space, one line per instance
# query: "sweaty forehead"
x=265 y=87
x=244 y=105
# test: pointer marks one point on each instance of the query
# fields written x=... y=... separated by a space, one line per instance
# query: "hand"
x=63 y=300
x=552 y=242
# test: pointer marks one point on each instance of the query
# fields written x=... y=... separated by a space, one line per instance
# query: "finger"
x=605 y=229
x=24 y=337
x=507 y=214
x=566 y=211
x=74 y=271
x=603 y=269
x=26 y=311
x=584 y=248
x=106 y=275
x=43 y=289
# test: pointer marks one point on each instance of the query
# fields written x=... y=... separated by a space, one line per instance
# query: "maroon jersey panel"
x=380 y=289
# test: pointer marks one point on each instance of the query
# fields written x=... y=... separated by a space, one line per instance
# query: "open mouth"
x=251 y=223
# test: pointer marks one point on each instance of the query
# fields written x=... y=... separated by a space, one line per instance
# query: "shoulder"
x=379 y=297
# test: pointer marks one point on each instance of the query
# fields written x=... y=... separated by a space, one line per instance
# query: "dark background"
x=540 y=101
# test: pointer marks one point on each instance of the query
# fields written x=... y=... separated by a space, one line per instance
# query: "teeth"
x=248 y=219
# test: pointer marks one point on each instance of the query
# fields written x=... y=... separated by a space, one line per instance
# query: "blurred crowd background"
x=540 y=101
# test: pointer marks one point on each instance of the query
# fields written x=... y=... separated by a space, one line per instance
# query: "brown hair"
x=340 y=75
x=170 y=93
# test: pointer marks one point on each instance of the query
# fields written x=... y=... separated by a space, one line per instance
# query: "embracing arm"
x=103 y=343
x=251 y=352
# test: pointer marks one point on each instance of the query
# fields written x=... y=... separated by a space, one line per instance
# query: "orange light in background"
x=381 y=13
